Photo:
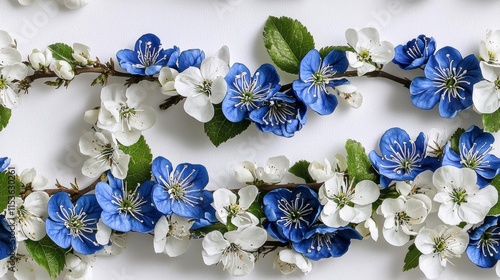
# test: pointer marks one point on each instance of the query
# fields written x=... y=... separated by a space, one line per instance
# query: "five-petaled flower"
x=74 y=225
x=402 y=158
x=172 y=235
x=229 y=207
x=29 y=217
x=148 y=57
x=448 y=80
x=484 y=243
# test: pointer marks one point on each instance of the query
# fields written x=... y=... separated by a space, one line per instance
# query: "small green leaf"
x=495 y=210
x=411 y=258
x=256 y=207
x=491 y=122
x=10 y=186
x=454 y=140
x=300 y=169
x=62 y=51
x=5 y=114
x=47 y=254
x=326 y=50
x=205 y=230
x=219 y=129
x=287 y=41
x=359 y=166
x=139 y=167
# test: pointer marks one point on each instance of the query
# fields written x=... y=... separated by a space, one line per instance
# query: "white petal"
x=366 y=192
x=199 y=107
x=213 y=246
x=9 y=98
x=352 y=37
x=145 y=118
x=161 y=230
x=187 y=83
x=244 y=220
x=485 y=97
x=448 y=213
x=223 y=54
x=176 y=247
x=91 y=116
x=25 y=270
x=348 y=213
x=368 y=37
x=36 y=203
x=15 y=71
x=119 y=166
x=333 y=220
x=395 y=236
x=244 y=172
x=218 y=90
x=430 y=265
x=136 y=94
x=33 y=228
x=103 y=233
x=9 y=56
x=320 y=172
x=383 y=54
x=249 y=239
x=425 y=240
x=213 y=67
x=6 y=40
x=247 y=196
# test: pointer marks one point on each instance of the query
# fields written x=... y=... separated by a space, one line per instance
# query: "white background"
x=44 y=131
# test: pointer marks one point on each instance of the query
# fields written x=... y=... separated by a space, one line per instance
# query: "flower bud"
x=39 y=60
x=63 y=69
x=81 y=53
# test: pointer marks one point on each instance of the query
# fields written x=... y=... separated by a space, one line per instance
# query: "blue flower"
x=245 y=93
x=124 y=210
x=190 y=58
x=281 y=114
x=148 y=57
x=4 y=162
x=475 y=153
x=181 y=191
x=402 y=159
x=322 y=242
x=449 y=80
x=290 y=214
x=74 y=225
x=7 y=239
x=484 y=245
x=415 y=53
x=316 y=75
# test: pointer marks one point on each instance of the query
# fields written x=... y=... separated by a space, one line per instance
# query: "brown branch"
x=291 y=186
x=171 y=102
x=76 y=193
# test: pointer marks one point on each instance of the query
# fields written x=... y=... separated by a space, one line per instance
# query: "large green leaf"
x=5 y=114
x=495 y=210
x=219 y=129
x=287 y=41
x=359 y=166
x=411 y=258
x=300 y=169
x=62 y=51
x=491 y=122
x=10 y=186
x=139 y=167
x=47 y=254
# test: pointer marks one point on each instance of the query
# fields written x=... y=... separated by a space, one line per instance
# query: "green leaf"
x=326 y=50
x=219 y=129
x=454 y=140
x=287 y=41
x=139 y=167
x=62 y=51
x=411 y=258
x=10 y=186
x=256 y=207
x=491 y=122
x=5 y=114
x=47 y=254
x=300 y=169
x=205 y=230
x=359 y=166
x=495 y=210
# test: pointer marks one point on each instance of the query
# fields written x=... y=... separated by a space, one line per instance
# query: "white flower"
x=320 y=172
x=402 y=219
x=368 y=229
x=172 y=236
x=287 y=261
x=203 y=87
x=30 y=215
x=272 y=173
x=73 y=4
x=227 y=205
x=461 y=198
x=420 y=188
x=30 y=177
x=63 y=69
x=113 y=242
x=438 y=246
x=489 y=49
x=486 y=93
x=122 y=113
x=78 y=266
x=349 y=93
x=81 y=53
x=104 y=155
x=9 y=55
x=40 y=60
x=8 y=89
x=369 y=53
x=345 y=203
x=436 y=140
x=234 y=250
x=223 y=54
x=167 y=81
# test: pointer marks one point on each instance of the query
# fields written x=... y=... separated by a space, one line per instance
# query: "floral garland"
x=404 y=183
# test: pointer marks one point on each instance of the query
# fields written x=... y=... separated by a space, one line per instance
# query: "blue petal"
x=337 y=60
x=153 y=69
x=304 y=91
x=309 y=64
x=161 y=169
x=58 y=232
x=189 y=58
x=161 y=199
x=451 y=158
x=172 y=56
x=58 y=200
x=128 y=61
x=274 y=231
x=232 y=111
x=476 y=256
x=325 y=104
x=104 y=194
x=4 y=162
x=449 y=107
x=89 y=205
x=423 y=93
x=155 y=42
x=118 y=222
x=86 y=246
x=443 y=58
x=267 y=76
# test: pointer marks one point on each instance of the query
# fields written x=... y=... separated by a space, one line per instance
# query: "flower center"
x=458 y=196
x=449 y=81
x=148 y=55
x=364 y=55
x=440 y=244
x=320 y=79
x=404 y=158
x=321 y=240
x=3 y=83
x=294 y=212
x=205 y=87
x=489 y=242
x=179 y=188
x=129 y=203
x=249 y=94
x=279 y=113
x=176 y=191
x=474 y=157
x=77 y=223
x=497 y=84
x=233 y=209
x=414 y=52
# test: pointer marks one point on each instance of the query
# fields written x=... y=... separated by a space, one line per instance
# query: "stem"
x=290 y=186
x=171 y=102
x=74 y=193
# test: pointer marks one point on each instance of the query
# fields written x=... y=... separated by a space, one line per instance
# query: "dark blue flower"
x=281 y=114
x=484 y=244
x=448 y=80
x=124 y=210
x=415 y=53
x=316 y=75
x=181 y=191
x=7 y=239
x=402 y=158
x=74 y=225
x=290 y=214
x=4 y=162
x=475 y=153
x=190 y=58
x=245 y=93
x=322 y=242
x=148 y=56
